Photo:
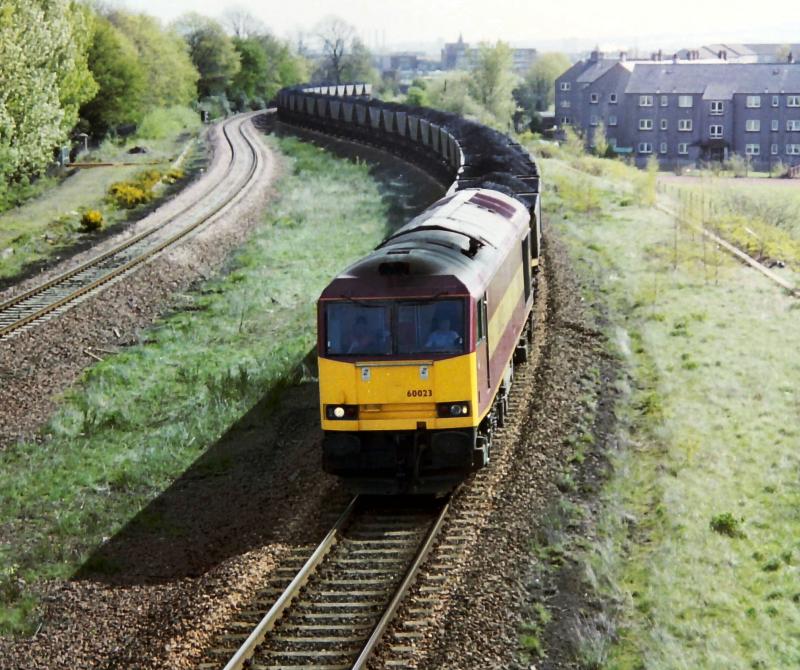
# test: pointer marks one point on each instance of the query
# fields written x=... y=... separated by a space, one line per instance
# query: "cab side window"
x=481 y=308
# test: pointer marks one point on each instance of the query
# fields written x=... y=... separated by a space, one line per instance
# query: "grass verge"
x=695 y=552
x=140 y=418
x=49 y=221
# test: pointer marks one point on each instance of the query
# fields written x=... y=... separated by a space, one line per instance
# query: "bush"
x=128 y=195
x=91 y=220
x=167 y=122
x=173 y=175
x=726 y=524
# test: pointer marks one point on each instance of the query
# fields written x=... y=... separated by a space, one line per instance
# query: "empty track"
x=58 y=294
x=335 y=609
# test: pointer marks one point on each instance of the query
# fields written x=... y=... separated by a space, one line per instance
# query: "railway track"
x=62 y=292
x=337 y=606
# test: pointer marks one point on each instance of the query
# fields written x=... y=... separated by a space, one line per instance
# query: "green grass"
x=48 y=221
x=140 y=418
x=698 y=547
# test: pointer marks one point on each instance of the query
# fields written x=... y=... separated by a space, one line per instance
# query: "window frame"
x=565 y=86
x=793 y=100
x=664 y=124
x=645 y=124
x=685 y=125
x=717 y=108
x=645 y=148
x=752 y=102
x=752 y=125
x=749 y=149
x=594 y=98
x=792 y=125
x=663 y=101
x=645 y=101
x=716 y=134
x=612 y=98
x=682 y=101
x=683 y=148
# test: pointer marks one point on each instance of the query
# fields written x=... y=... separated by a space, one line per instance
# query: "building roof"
x=596 y=69
x=721 y=79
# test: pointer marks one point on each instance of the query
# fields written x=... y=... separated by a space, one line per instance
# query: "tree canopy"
x=212 y=51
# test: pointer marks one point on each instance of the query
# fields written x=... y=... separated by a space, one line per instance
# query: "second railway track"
x=335 y=609
x=58 y=294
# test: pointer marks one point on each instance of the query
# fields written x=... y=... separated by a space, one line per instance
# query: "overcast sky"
x=613 y=24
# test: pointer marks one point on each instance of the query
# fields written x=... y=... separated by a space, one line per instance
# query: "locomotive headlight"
x=341 y=412
x=447 y=410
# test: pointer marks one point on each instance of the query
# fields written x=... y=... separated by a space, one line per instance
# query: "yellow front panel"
x=397 y=395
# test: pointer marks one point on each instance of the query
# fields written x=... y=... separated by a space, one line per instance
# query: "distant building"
x=459 y=56
x=685 y=111
x=742 y=53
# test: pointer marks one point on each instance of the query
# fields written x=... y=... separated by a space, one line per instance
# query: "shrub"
x=726 y=524
x=163 y=123
x=91 y=220
x=128 y=195
x=173 y=175
x=147 y=180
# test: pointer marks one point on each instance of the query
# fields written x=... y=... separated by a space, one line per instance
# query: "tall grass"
x=161 y=123
x=138 y=419
x=696 y=551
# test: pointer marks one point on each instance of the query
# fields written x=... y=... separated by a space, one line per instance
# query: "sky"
x=559 y=24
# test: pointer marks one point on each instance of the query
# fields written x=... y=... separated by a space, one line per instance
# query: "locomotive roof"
x=460 y=240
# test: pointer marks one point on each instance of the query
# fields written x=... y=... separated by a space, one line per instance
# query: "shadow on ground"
x=261 y=483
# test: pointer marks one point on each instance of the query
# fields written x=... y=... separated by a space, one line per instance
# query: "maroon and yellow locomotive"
x=417 y=343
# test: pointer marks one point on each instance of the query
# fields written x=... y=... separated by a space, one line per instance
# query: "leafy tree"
x=113 y=61
x=212 y=52
x=600 y=140
x=44 y=78
x=536 y=93
x=242 y=23
x=418 y=97
x=163 y=56
x=492 y=81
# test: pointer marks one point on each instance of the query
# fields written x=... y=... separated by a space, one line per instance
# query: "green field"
x=696 y=553
x=140 y=418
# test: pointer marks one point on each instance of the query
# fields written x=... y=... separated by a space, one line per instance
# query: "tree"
x=492 y=81
x=600 y=140
x=242 y=24
x=113 y=61
x=212 y=53
x=344 y=56
x=164 y=57
x=44 y=78
x=417 y=97
x=536 y=93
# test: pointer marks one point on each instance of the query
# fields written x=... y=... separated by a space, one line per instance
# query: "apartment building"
x=686 y=111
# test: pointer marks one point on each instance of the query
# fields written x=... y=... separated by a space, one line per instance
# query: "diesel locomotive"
x=417 y=341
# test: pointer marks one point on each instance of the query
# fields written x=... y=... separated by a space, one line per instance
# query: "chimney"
x=790 y=57
x=623 y=56
x=660 y=55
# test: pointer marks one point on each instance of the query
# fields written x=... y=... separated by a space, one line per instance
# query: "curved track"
x=335 y=610
x=57 y=295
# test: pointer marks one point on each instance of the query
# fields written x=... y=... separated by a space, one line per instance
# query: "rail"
x=57 y=294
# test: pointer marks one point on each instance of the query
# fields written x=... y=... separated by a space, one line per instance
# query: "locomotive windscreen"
x=402 y=327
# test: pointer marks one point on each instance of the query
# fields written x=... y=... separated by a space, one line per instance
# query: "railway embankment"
x=687 y=556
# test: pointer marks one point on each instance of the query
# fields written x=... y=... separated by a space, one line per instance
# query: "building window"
x=684 y=125
x=662 y=148
x=566 y=104
x=773 y=149
x=612 y=98
x=715 y=132
x=752 y=125
x=793 y=100
x=752 y=149
x=683 y=148
x=665 y=100
x=774 y=125
x=793 y=149
x=647 y=148
x=717 y=107
x=645 y=101
x=684 y=101
x=612 y=120
x=793 y=125
x=565 y=86
x=664 y=124
x=565 y=120
x=776 y=100
x=594 y=98
x=645 y=124
x=593 y=120
x=753 y=101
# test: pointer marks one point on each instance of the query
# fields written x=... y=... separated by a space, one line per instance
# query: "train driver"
x=442 y=337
